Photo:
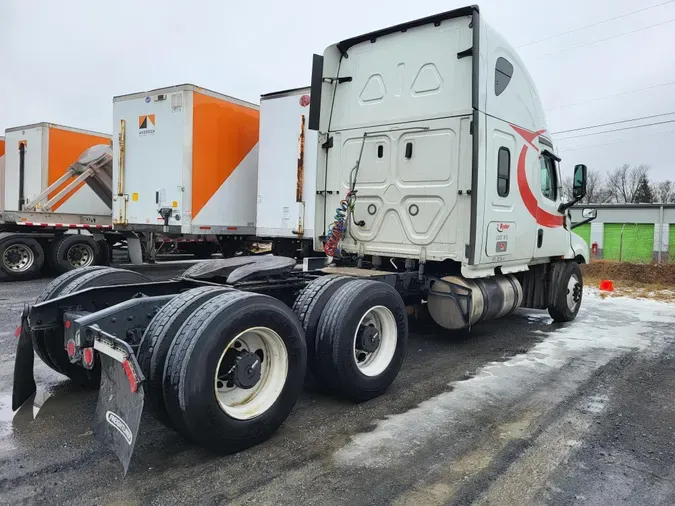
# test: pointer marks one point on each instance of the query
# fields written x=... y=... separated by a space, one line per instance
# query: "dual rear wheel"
x=23 y=257
x=225 y=367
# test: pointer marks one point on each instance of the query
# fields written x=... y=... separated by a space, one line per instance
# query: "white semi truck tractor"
x=436 y=186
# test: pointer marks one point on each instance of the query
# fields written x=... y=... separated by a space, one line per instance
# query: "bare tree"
x=664 y=192
x=623 y=182
x=596 y=192
x=567 y=188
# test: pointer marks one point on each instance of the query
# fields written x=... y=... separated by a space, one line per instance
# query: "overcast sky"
x=63 y=61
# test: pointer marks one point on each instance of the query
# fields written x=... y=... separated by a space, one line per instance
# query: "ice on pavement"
x=605 y=329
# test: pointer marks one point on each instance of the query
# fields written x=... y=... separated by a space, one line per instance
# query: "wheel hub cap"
x=368 y=339
x=574 y=290
x=18 y=258
x=247 y=369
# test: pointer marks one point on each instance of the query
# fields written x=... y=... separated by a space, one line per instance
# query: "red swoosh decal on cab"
x=543 y=217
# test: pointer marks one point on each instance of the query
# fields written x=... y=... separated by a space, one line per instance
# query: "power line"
x=611 y=96
x=617 y=141
x=595 y=24
x=612 y=123
x=618 y=130
x=603 y=40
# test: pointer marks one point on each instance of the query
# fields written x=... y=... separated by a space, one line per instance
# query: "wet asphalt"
x=519 y=411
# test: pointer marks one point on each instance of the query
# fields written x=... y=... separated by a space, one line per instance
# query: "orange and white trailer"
x=185 y=165
x=57 y=199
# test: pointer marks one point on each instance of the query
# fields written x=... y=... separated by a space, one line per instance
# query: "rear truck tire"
x=51 y=291
x=309 y=306
x=21 y=258
x=53 y=344
x=157 y=339
x=235 y=370
x=362 y=339
x=568 y=291
x=71 y=251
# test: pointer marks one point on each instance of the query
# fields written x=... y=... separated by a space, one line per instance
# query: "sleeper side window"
x=503 y=74
x=549 y=177
x=503 y=172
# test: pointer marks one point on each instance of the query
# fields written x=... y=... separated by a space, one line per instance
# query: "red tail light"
x=88 y=358
x=71 y=348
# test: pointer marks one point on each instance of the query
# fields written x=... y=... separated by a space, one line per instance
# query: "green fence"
x=629 y=242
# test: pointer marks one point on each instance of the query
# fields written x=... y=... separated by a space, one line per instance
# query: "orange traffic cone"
x=606 y=285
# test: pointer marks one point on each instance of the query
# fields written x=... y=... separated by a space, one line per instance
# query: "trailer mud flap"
x=24 y=382
x=118 y=410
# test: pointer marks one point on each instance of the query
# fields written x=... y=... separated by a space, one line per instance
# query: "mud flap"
x=24 y=382
x=118 y=410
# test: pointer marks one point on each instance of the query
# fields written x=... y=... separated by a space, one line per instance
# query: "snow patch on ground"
x=605 y=329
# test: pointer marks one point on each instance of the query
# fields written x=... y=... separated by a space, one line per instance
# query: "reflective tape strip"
x=63 y=225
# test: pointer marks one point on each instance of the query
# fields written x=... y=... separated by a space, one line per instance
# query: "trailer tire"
x=157 y=339
x=357 y=307
x=234 y=419
x=21 y=258
x=70 y=250
x=567 y=282
x=310 y=305
x=53 y=346
x=106 y=253
x=204 y=251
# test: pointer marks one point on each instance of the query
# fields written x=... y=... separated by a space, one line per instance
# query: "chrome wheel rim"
x=573 y=293
x=245 y=403
x=80 y=255
x=375 y=339
x=18 y=258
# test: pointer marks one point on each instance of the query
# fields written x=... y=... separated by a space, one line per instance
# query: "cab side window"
x=549 y=178
x=503 y=74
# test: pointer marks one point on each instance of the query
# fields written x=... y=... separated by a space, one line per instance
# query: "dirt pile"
x=653 y=274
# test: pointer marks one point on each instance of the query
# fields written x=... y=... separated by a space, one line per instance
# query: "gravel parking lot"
x=519 y=411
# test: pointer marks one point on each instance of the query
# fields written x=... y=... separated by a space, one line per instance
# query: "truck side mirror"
x=579 y=186
x=589 y=213
x=315 y=93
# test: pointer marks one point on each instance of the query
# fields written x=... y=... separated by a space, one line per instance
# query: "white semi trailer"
x=56 y=200
x=436 y=186
x=286 y=173
x=185 y=167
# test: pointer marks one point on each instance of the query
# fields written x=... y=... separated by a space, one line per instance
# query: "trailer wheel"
x=106 y=253
x=235 y=370
x=569 y=289
x=157 y=339
x=21 y=258
x=53 y=343
x=310 y=304
x=204 y=251
x=71 y=251
x=361 y=340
